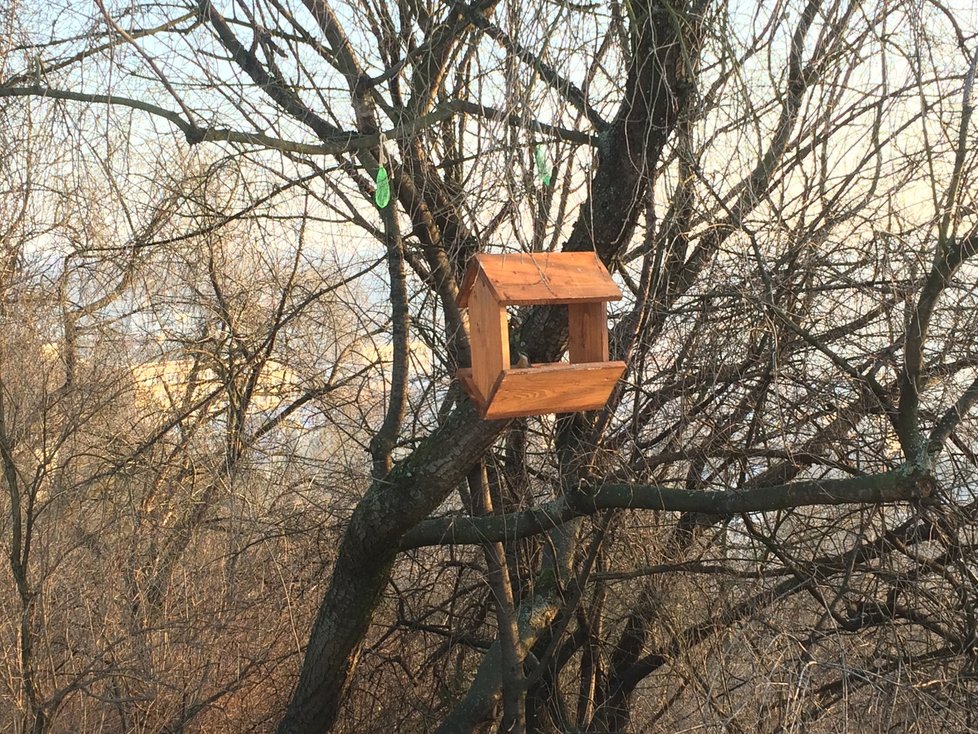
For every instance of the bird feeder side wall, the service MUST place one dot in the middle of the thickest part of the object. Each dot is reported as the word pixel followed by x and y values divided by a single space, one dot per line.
pixel 488 337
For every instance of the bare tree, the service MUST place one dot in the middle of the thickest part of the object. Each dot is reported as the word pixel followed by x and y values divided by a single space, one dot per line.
pixel 771 521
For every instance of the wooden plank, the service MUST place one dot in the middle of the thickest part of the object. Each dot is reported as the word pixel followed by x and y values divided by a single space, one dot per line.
pixel 554 388
pixel 543 278
pixel 468 384
pixel 472 271
pixel 488 337
pixel 587 339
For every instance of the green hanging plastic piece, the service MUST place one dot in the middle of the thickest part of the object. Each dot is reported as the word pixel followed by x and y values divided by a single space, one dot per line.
pixel 543 164
pixel 382 197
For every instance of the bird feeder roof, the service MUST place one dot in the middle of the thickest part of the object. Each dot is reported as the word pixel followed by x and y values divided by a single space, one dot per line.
pixel 540 278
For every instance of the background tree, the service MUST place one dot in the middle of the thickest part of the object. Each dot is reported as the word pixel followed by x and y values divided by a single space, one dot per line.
pixel 769 526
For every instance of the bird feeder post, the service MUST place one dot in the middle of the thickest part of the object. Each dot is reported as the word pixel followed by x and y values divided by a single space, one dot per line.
pixel 587 338
pixel 577 279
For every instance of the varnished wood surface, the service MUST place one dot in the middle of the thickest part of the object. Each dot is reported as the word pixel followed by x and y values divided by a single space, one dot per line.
pixel 488 337
pixel 468 384
pixel 587 337
pixel 543 278
pixel 553 388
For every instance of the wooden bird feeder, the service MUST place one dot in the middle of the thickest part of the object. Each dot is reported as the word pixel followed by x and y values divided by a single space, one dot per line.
pixel 577 279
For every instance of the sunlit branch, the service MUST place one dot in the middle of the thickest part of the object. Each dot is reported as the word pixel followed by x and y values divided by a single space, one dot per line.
pixel 894 486
pixel 336 144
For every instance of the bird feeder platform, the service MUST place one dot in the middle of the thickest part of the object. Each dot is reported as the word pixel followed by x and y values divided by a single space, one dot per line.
pixel 578 280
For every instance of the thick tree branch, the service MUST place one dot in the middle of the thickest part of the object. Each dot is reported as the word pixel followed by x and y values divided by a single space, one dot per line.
pixel 949 254
pixel 285 98
pixel 387 511
pixel 750 191
pixel 952 418
pixel 334 144
pixel 895 486
pixel 570 91
pixel 382 444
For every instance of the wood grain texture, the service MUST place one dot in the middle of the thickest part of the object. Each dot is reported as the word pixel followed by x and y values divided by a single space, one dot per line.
pixel 544 278
pixel 553 388
pixel 472 271
pixel 587 337
pixel 488 336
pixel 468 385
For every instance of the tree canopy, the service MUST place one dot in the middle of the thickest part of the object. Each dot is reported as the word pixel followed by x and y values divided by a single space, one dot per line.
pixel 243 488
